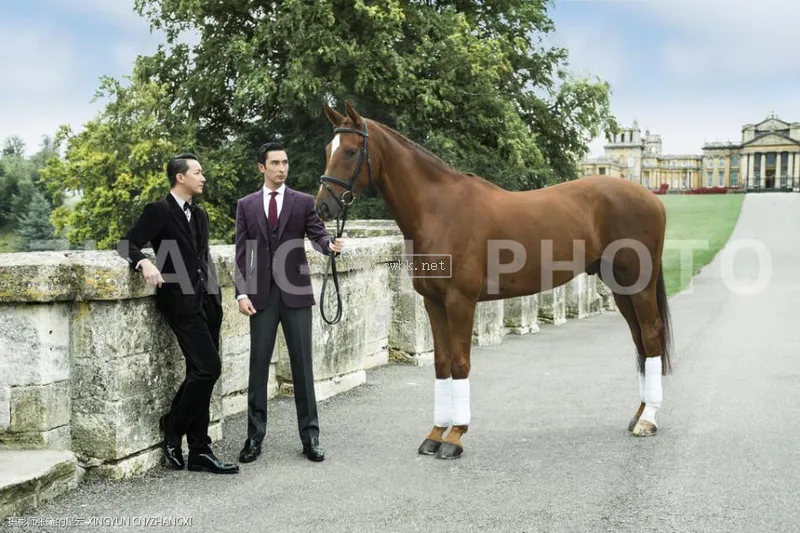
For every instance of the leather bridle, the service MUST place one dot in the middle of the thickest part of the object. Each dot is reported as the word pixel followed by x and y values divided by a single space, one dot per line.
pixel 345 200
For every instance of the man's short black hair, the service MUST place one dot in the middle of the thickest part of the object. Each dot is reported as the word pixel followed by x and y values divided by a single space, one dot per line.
pixel 178 165
pixel 268 147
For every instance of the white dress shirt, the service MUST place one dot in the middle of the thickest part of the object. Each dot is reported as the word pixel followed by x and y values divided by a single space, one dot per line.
pixel 278 199
pixel 181 201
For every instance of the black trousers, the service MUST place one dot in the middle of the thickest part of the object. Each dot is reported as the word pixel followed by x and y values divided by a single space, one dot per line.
pixel 296 325
pixel 198 337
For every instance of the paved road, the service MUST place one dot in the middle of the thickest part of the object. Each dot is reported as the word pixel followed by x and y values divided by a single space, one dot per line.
pixel 548 449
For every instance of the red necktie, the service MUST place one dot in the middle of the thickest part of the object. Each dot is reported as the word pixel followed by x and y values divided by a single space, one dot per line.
pixel 273 210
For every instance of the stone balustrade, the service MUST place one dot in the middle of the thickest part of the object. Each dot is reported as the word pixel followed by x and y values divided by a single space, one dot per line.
pixel 88 364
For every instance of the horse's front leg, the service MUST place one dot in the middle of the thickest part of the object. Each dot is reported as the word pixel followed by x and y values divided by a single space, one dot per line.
pixel 460 317
pixel 443 392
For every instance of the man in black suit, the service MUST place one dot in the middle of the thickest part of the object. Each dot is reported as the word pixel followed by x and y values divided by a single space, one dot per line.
pixel 189 298
pixel 273 286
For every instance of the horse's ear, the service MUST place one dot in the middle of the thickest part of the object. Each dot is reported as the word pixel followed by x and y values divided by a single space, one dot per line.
pixel 336 118
pixel 354 116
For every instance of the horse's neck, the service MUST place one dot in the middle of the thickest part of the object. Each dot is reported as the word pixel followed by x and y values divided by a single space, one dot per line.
pixel 409 184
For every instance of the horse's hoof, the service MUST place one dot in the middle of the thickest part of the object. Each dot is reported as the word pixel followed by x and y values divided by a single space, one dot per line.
pixel 448 450
pixel 644 428
pixel 429 447
pixel 633 423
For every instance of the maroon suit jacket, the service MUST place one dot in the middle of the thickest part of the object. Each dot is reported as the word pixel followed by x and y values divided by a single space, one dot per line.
pixel 263 254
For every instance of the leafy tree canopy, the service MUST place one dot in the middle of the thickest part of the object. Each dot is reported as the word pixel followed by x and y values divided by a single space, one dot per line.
pixel 469 80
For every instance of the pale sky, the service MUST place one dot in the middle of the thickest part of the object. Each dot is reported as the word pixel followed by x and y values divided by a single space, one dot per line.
pixel 692 71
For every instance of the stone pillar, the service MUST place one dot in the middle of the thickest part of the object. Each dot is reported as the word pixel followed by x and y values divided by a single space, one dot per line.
pixel 763 173
pixel 35 391
pixel 553 306
pixel 796 172
pixel 576 302
pixel 609 303
pixel 745 168
pixel 750 170
pixel 410 336
pixel 778 169
pixel 488 327
pixel 593 297
pixel 521 314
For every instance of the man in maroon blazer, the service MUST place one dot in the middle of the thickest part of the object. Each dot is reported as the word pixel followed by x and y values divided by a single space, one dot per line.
pixel 273 285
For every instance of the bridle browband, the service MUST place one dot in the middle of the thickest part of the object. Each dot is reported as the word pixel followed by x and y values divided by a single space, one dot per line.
pixel 345 200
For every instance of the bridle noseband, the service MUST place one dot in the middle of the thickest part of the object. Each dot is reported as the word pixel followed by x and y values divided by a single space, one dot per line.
pixel 344 200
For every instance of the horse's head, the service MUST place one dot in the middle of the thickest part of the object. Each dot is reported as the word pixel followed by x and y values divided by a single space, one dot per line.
pixel 348 169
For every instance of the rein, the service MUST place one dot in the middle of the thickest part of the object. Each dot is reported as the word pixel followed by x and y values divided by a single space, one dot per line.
pixel 344 200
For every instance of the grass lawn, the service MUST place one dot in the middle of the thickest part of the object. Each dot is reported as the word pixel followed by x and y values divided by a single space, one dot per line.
pixel 697 217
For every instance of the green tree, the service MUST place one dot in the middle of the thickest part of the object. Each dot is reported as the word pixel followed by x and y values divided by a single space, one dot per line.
pixel 466 79
pixel 117 162
pixel 14 146
pixel 20 177
pixel 34 230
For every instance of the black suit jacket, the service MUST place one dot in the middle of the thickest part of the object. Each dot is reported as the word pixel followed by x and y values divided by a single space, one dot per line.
pixel 185 265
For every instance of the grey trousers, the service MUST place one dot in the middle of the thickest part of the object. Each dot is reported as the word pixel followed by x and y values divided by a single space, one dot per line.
pixel 296 324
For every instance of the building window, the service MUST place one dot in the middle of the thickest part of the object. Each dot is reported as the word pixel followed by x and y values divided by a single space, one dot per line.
pixel 735 161
pixel 709 179
pixel 710 163
pixel 721 179
pixel 721 163
pixel 602 171
pixel 734 178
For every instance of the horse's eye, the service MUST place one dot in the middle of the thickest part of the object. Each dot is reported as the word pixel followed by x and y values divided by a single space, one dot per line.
pixel 351 153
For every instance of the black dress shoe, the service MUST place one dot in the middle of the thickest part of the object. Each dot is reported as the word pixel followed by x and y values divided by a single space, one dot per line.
pixel 251 450
pixel 313 450
pixel 173 455
pixel 208 462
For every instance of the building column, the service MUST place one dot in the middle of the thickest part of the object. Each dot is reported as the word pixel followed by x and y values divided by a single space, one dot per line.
pixel 777 169
pixel 796 172
pixel 762 180
pixel 750 170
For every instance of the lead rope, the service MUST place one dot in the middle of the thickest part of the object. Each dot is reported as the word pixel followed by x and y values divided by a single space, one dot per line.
pixel 332 268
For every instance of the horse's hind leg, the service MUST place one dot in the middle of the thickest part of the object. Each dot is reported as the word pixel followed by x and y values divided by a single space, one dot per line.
pixel 443 388
pixel 650 362
pixel 625 306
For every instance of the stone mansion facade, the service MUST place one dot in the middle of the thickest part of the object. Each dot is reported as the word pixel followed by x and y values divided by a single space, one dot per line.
pixel 767 158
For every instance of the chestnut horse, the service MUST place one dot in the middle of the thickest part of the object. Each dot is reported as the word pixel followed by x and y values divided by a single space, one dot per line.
pixel 474 241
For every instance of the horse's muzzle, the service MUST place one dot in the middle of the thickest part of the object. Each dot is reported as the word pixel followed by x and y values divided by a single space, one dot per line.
pixel 323 211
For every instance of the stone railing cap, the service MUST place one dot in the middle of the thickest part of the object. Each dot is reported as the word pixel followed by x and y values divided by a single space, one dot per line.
pixel 103 275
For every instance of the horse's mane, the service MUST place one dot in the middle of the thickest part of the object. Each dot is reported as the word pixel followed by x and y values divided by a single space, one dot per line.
pixel 408 142
pixel 435 159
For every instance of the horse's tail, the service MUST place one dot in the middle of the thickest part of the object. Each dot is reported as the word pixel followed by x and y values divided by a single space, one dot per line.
pixel 666 330
pixel 666 334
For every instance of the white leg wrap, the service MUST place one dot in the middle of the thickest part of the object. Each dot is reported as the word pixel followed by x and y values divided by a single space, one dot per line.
pixel 641 386
pixel 443 403
pixel 652 388
pixel 461 411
